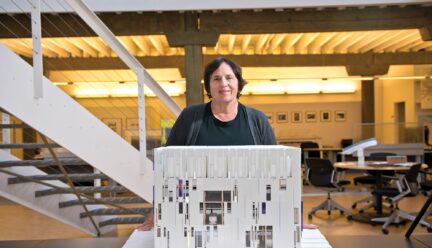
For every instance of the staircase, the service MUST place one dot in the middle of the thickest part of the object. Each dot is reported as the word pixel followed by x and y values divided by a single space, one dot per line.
pixel 28 182
pixel 72 127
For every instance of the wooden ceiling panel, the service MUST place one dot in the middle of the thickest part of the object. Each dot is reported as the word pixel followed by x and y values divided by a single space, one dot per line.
pixel 406 40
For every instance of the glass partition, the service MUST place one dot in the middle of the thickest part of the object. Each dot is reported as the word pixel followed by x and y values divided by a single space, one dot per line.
pixel 390 133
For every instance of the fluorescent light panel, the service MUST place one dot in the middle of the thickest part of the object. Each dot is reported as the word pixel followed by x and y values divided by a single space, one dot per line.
pixel 124 89
pixel 299 87
pixel 256 87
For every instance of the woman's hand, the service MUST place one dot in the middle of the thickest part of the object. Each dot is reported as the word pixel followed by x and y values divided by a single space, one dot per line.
pixel 148 223
pixel 310 226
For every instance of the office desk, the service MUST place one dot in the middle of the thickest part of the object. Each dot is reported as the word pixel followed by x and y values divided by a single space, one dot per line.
pixel 379 167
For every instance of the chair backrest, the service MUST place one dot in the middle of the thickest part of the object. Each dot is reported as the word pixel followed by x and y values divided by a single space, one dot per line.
pixel 320 171
pixel 410 177
pixel 346 142
pixel 412 174
pixel 311 154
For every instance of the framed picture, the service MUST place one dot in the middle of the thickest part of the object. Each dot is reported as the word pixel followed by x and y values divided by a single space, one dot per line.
pixel 325 116
pixel 132 124
pixel 282 117
pixel 340 115
pixel 132 137
pixel 310 116
pixel 296 117
pixel 269 117
pixel 114 124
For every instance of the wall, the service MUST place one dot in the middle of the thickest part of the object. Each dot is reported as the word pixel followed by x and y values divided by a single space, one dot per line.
pixel 326 133
pixel 124 109
pixel 390 92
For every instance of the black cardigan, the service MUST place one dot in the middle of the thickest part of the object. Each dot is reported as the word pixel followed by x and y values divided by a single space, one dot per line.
pixel 187 126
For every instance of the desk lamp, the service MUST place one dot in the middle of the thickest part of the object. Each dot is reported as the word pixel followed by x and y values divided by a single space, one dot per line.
pixel 359 148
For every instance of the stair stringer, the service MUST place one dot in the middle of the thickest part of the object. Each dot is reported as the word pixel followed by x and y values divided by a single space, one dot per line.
pixel 63 120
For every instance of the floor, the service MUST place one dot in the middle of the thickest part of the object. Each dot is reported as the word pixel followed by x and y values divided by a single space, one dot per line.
pixel 20 223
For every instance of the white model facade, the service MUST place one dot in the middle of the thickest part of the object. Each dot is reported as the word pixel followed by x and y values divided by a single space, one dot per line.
pixel 230 197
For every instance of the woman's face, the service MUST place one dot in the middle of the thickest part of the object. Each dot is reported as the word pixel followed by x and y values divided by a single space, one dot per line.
pixel 223 85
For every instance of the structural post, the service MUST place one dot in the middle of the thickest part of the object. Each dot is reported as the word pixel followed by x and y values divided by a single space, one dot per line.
pixel 37 49
pixel 141 120
pixel 193 65
pixel 368 108
pixel 6 132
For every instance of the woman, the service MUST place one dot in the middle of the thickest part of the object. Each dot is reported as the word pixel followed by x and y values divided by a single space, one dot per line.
pixel 222 121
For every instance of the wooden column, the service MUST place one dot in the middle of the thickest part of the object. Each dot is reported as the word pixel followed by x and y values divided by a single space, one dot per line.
pixel 368 108
pixel 193 65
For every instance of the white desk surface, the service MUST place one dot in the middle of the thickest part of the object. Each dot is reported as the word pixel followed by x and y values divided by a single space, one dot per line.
pixel 310 239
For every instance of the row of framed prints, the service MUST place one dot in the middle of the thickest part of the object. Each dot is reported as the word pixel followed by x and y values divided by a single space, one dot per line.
pixel 307 116
pixel 116 124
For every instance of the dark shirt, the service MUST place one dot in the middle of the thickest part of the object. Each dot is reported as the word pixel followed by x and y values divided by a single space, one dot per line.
pixel 187 126
pixel 214 132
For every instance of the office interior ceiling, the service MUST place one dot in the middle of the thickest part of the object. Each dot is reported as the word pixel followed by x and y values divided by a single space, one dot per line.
pixel 355 42
pixel 175 5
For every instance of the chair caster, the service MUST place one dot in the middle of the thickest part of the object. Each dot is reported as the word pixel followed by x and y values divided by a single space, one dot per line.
pixel 341 212
pixel 309 216
pixel 349 217
pixel 385 231
pixel 354 206
pixel 361 211
pixel 329 212
pixel 429 229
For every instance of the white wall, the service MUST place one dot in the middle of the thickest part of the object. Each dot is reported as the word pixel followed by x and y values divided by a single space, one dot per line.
pixel 390 92
pixel 325 133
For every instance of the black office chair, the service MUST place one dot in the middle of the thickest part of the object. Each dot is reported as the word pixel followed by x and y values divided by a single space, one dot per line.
pixel 321 173
pixel 370 179
pixel 407 186
pixel 311 154
pixel 426 189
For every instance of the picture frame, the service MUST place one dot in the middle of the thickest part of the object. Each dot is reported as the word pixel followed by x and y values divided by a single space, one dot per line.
pixel 132 124
pixel 325 116
pixel 132 137
pixel 269 117
pixel 340 115
pixel 296 117
pixel 114 123
pixel 311 116
pixel 281 117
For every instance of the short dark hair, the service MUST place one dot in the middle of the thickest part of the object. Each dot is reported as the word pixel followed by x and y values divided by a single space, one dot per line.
pixel 214 65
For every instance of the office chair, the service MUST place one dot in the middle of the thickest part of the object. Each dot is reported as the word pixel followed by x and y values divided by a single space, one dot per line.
pixel 406 186
pixel 311 154
pixel 370 180
pixel 321 173
pixel 426 189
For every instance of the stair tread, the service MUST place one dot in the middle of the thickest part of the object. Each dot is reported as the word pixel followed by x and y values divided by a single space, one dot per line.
pixel 43 162
pixel 28 145
pixel 123 220
pixel 73 177
pixel 117 211
pixel 4 126
pixel 115 200
pixel 81 189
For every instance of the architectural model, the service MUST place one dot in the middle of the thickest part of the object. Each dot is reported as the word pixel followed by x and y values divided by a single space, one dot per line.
pixel 230 197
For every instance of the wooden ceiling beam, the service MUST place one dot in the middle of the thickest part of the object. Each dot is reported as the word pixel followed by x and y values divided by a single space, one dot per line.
pixel 228 22
pixel 407 58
